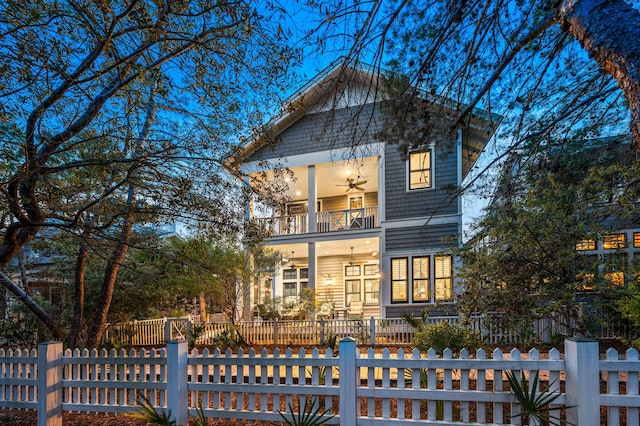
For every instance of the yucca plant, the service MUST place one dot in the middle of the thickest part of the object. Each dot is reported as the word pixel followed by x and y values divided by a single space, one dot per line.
pixel 147 412
pixel 310 415
pixel 534 404
pixel 200 419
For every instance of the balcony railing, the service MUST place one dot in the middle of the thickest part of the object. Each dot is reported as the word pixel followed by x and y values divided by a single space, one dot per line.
pixel 328 221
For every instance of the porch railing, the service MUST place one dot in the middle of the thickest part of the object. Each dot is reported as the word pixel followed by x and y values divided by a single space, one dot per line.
pixel 327 221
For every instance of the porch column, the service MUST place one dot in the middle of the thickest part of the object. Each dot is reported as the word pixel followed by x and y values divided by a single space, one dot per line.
pixel 312 265
pixel 313 201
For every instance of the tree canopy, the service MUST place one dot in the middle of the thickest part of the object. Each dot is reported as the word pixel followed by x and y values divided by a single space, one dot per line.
pixel 527 258
pixel 549 70
pixel 116 113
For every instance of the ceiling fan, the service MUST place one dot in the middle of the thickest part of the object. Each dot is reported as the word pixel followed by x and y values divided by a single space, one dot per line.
pixel 288 262
pixel 354 183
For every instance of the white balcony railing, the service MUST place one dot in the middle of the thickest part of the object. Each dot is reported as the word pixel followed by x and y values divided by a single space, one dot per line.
pixel 328 221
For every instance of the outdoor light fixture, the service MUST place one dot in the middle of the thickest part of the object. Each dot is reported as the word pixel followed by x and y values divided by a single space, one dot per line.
pixel 328 280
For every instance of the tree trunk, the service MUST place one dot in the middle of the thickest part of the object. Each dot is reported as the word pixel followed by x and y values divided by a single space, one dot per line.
pixel 203 306
pixel 32 305
pixel 99 323
pixel 609 30
pixel 76 334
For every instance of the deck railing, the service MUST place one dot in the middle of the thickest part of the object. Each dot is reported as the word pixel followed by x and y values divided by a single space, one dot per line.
pixel 372 331
pixel 327 221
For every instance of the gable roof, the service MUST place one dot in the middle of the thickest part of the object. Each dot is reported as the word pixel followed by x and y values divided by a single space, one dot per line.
pixel 327 90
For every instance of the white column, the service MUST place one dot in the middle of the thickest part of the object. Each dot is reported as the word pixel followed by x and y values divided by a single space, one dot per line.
pixel 312 199
pixel 312 265
pixel 349 379
pixel 49 384
pixel 177 394
pixel 582 381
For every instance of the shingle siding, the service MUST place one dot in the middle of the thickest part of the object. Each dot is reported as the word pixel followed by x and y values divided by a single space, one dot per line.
pixel 421 237
pixel 403 204
pixel 323 131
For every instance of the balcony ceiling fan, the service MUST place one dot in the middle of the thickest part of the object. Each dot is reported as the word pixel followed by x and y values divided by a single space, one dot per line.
pixel 354 183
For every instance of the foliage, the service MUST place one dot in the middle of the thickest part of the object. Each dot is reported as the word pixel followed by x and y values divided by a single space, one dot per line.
pixel 443 335
pixel 228 338
pixel 523 261
pixel 309 415
pixel 148 412
pixel 534 405
pixel 270 307
pixel 123 114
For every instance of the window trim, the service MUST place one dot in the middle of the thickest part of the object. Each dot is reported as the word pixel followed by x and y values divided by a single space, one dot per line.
pixel 399 280
pixel 431 169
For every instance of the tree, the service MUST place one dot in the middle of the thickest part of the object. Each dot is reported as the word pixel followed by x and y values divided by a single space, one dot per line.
pixel 547 69
pixel 146 97
pixel 524 260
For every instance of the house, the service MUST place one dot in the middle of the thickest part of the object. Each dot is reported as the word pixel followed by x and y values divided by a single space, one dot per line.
pixel 367 228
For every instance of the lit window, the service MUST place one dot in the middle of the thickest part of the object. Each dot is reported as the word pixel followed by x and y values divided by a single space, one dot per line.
pixel 290 289
pixel 371 292
pixel 636 239
pixel 421 279
pixel 399 281
pixel 352 290
pixel 614 241
pixel 443 278
pixel 586 245
pixel 420 170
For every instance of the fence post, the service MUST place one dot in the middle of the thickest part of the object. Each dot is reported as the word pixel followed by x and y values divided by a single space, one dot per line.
pixel 348 377
pixel 50 384
pixel 582 381
pixel 177 363
pixel 275 332
pixel 372 330
pixel 322 331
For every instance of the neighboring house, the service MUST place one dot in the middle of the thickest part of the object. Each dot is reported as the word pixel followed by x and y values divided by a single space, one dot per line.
pixel 366 229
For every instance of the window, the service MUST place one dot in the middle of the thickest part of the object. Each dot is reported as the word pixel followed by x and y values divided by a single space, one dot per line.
pixel 294 280
pixel 352 271
pixel 352 290
pixel 399 283
pixel 420 170
pixel 371 291
pixel 443 278
pixel 615 265
pixel 290 289
pixel 614 241
pixel 362 284
pixel 636 239
pixel 421 279
pixel 586 245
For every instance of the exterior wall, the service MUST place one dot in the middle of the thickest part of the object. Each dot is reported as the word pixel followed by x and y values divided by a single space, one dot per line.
pixel 322 131
pixel 402 204
pixel 421 237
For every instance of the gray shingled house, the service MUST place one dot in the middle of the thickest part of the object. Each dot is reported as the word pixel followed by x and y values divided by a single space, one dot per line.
pixel 367 228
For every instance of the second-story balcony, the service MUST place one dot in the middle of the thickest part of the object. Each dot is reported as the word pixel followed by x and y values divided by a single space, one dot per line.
pixel 325 221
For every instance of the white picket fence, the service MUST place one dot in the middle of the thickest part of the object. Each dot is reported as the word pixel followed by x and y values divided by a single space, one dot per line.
pixel 358 389
pixel 373 331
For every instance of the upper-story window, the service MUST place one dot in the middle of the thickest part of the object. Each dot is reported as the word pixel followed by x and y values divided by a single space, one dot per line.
pixel 586 244
pixel 614 241
pixel 420 170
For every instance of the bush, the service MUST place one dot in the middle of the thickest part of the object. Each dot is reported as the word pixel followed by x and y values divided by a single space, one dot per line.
pixel 443 335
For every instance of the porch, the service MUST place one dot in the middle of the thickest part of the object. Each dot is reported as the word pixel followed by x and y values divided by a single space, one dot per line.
pixel 325 221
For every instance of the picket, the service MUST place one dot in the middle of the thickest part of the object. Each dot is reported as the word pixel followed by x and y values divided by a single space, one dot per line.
pixel 375 387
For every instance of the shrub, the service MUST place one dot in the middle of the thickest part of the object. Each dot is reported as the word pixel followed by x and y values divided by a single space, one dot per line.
pixel 443 335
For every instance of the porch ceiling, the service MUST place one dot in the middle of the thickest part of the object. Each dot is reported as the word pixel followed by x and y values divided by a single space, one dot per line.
pixel 333 248
pixel 331 178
